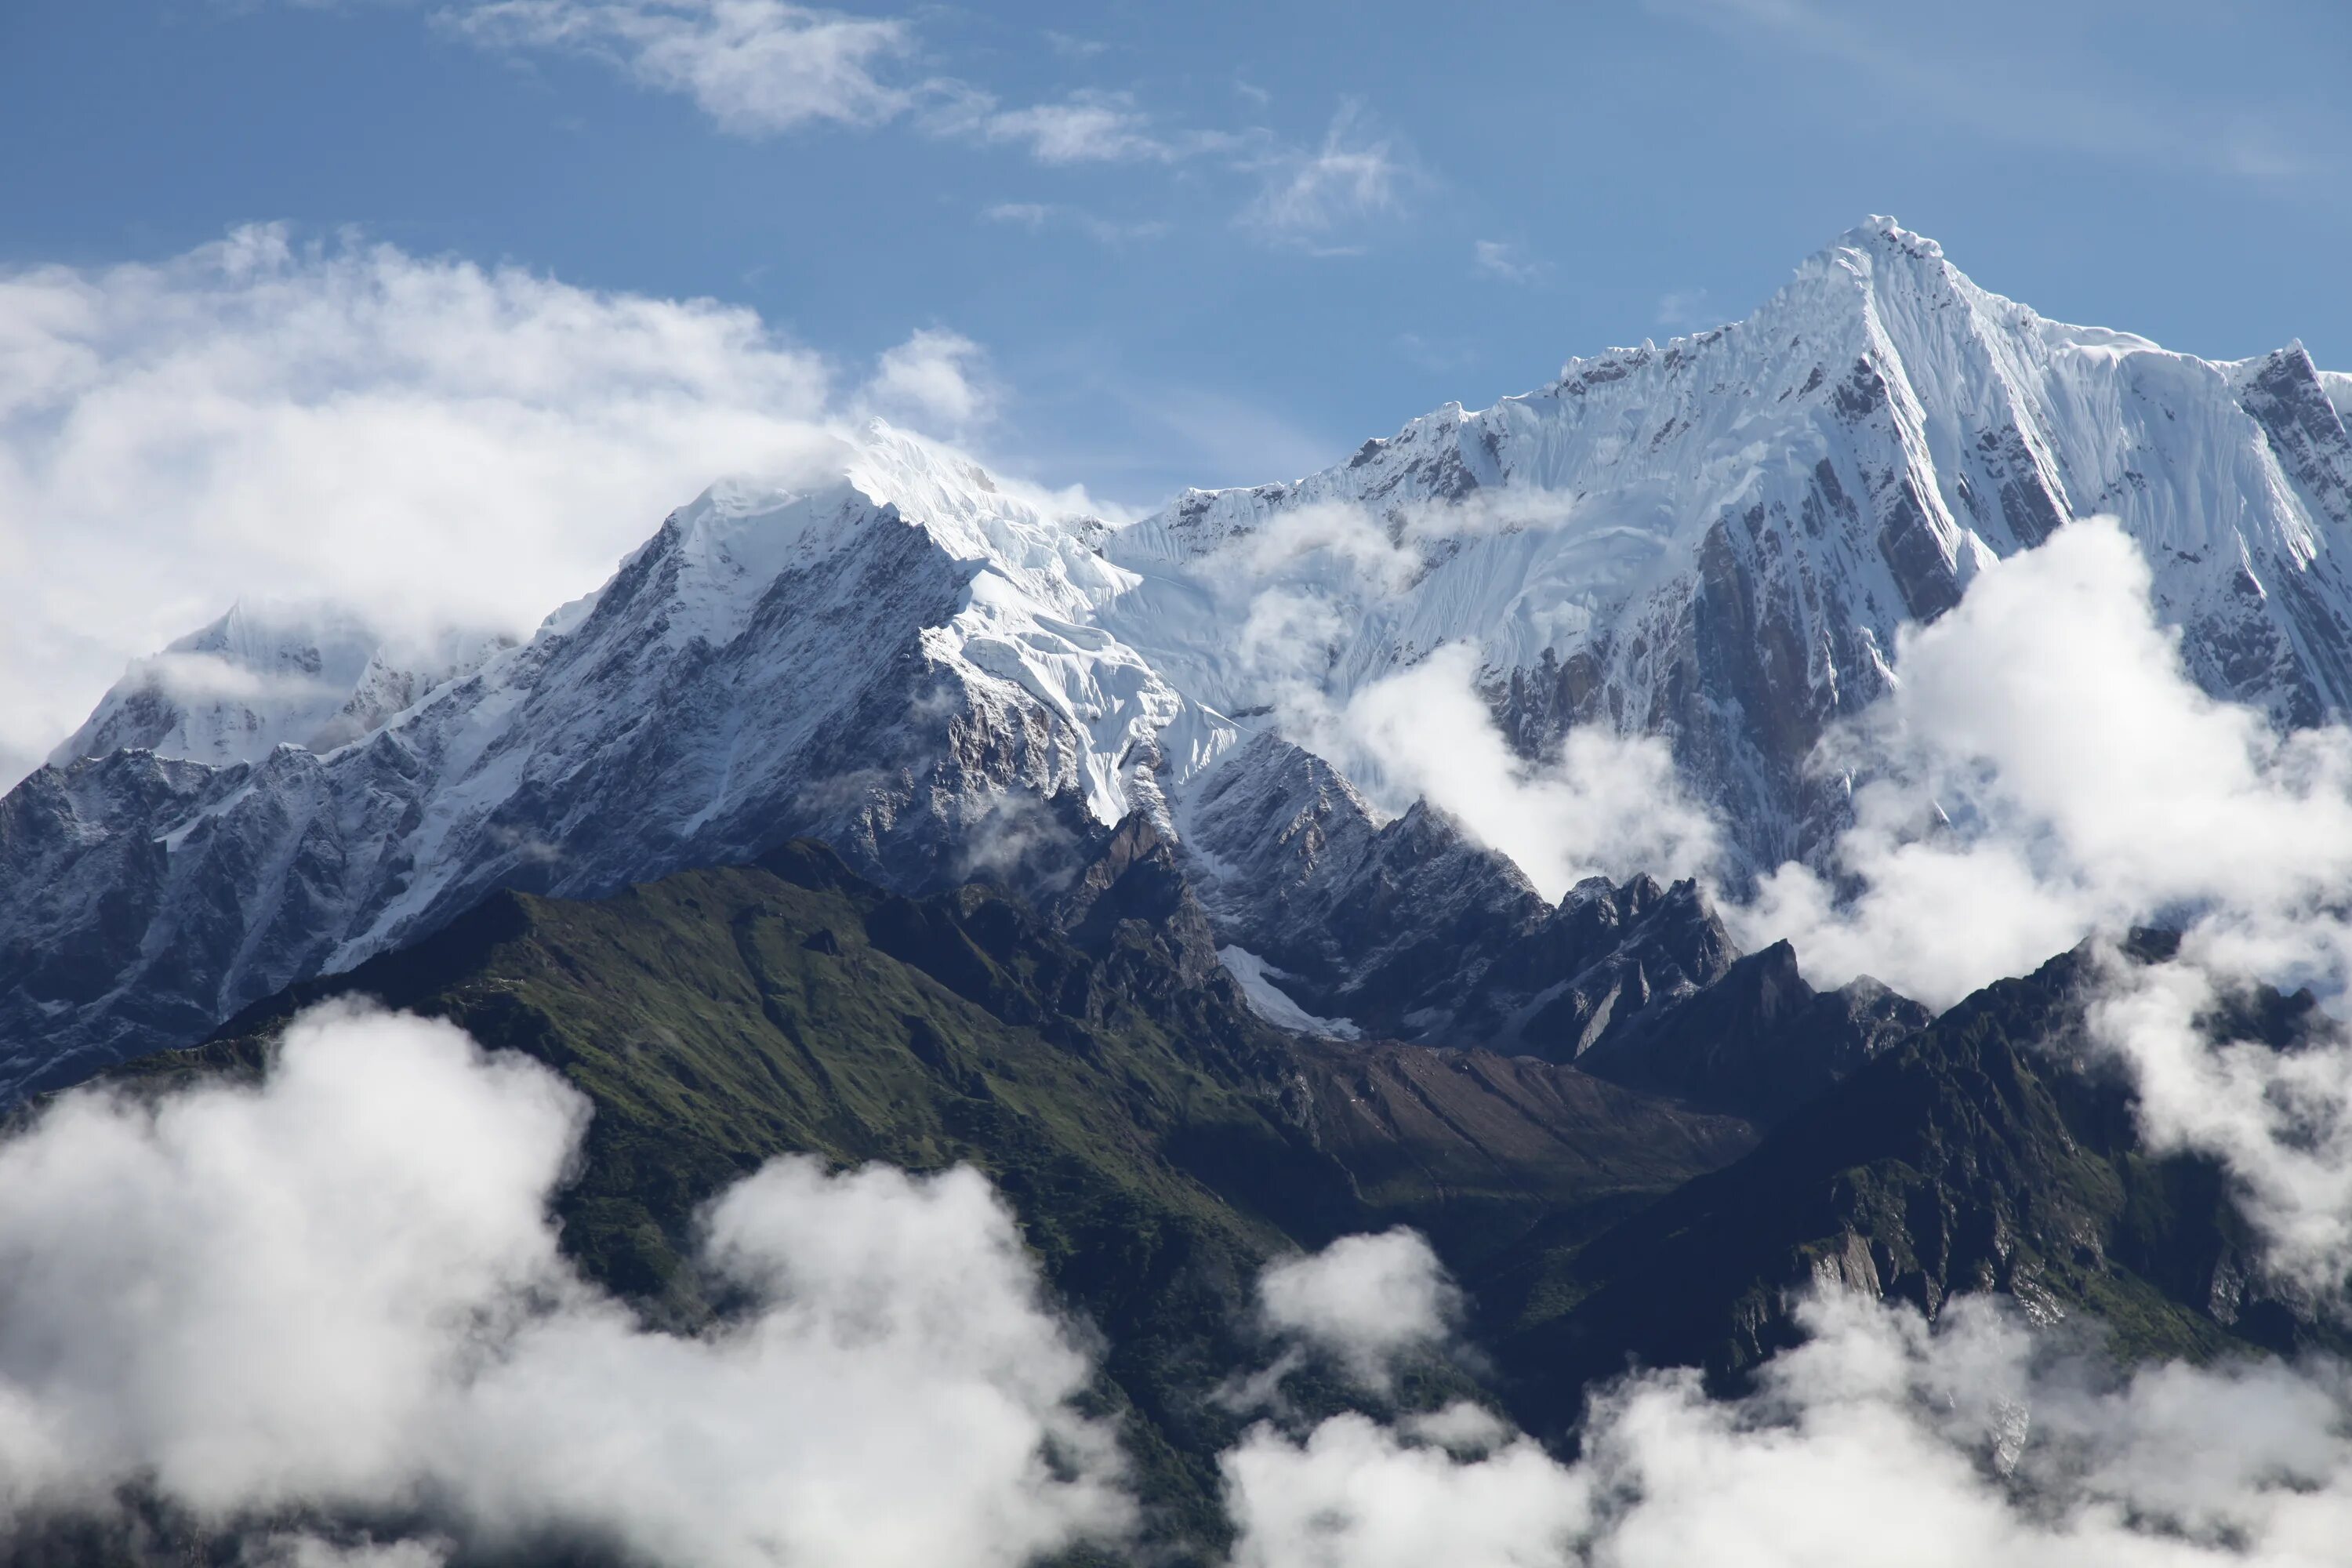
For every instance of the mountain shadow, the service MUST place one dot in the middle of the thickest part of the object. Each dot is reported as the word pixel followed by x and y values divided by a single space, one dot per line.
pixel 1997 1151
pixel 1158 1142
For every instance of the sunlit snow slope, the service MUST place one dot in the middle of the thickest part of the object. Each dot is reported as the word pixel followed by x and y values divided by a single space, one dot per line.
pixel 1714 541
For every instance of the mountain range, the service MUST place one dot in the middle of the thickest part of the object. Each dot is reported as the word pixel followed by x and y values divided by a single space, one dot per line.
pixel 890 811
pixel 942 675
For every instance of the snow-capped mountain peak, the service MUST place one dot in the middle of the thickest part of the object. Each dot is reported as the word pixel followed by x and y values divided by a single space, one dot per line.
pixel 270 673
pixel 1714 541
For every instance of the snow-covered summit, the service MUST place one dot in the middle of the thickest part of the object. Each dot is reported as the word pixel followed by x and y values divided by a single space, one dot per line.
pixel 271 673
pixel 896 655
pixel 1714 541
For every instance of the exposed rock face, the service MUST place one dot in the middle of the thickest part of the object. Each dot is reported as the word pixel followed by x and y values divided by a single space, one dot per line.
pixel 1414 931
pixel 1760 1040
pixel 1716 542
pixel 1996 1151
pixel 768 665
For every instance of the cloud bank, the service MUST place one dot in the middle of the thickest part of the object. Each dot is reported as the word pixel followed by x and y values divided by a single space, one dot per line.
pixel 337 1295
pixel 340 1291
pixel 1882 1438
pixel 264 419
pixel 2044 768
pixel 2043 771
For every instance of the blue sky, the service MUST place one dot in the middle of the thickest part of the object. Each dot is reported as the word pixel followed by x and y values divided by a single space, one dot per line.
pixel 433 307
pixel 1264 231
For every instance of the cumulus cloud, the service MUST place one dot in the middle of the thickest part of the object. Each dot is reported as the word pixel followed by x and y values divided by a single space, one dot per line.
pixel 260 418
pixel 2044 771
pixel 1366 1300
pixel 1609 805
pixel 340 1291
pixel 1343 535
pixel 1303 581
pixel 755 67
pixel 2044 768
pixel 938 379
pixel 1968 1442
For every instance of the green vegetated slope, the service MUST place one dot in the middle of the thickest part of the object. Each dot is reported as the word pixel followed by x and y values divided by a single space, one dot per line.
pixel 1158 1142
pixel 1997 1152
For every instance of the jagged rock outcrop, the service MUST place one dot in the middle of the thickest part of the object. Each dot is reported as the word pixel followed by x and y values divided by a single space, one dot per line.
pixel 1716 542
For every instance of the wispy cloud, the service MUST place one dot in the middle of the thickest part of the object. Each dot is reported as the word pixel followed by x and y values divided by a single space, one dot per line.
pixel 2042 97
pixel 1086 127
pixel 755 67
pixel 1311 193
pixel 1681 310
pixel 1038 217
pixel 759 68
pixel 767 67
pixel 1505 262
pixel 1071 47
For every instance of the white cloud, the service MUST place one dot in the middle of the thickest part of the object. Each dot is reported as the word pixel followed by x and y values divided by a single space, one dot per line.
pixel 1028 214
pixel 1365 1299
pixel 759 68
pixel 2044 768
pixel 1337 532
pixel 755 67
pixel 1311 192
pixel 937 379
pixel 2280 1122
pixel 1879 1439
pixel 1508 263
pixel 340 1290
pixel 2044 771
pixel 262 419
pixel 1610 805
pixel 1084 127
pixel 1071 47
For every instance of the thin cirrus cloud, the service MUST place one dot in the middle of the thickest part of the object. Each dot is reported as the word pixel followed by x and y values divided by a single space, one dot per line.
pixel 1680 310
pixel 761 67
pixel 1503 262
pixel 1971 78
pixel 1038 217
pixel 1313 196
pixel 755 67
